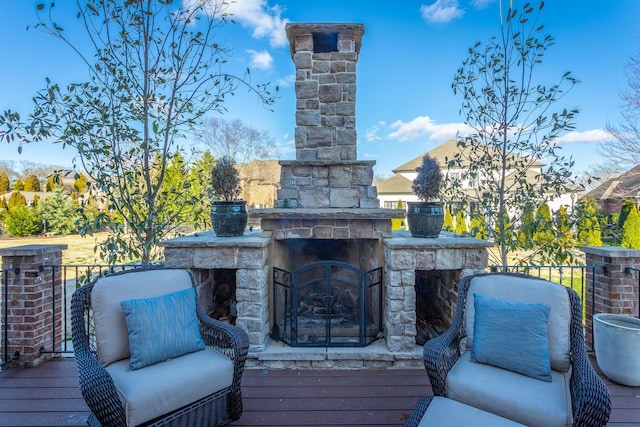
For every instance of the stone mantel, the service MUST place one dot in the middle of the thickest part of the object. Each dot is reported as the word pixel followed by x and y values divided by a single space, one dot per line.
pixel 327 213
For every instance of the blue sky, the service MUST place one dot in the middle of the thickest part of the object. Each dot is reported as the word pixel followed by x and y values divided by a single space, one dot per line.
pixel 410 53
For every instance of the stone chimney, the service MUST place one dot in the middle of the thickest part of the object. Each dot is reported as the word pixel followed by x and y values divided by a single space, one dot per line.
pixel 326 172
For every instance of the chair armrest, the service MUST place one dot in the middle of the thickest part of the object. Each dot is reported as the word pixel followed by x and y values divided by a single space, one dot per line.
pixel 231 341
pixel 440 354
pixel 96 385
pixel 590 398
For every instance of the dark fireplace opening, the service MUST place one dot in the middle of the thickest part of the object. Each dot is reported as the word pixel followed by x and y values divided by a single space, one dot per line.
pixel 327 303
pixel 217 292
pixel 436 295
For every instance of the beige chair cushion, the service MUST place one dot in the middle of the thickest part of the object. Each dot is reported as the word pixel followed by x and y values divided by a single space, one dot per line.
pixel 450 413
pixel 510 395
pixel 112 336
pixel 158 389
pixel 520 289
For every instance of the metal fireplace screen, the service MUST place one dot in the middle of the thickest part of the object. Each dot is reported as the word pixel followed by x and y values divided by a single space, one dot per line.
pixel 327 303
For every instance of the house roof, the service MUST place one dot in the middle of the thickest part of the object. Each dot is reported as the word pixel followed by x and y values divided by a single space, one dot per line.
pixel 621 187
pixel 441 153
pixel 397 184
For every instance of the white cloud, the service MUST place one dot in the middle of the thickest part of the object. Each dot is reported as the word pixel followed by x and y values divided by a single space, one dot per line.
pixel 594 135
pixel 482 4
pixel 264 20
pixel 372 133
pixel 262 60
pixel 442 11
pixel 287 80
pixel 424 126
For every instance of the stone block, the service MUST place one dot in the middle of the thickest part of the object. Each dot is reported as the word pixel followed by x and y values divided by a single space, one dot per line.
pixel 368 203
pixel 314 198
pixel 345 108
pixel 339 176
pixel 338 67
pixel 324 79
pixel 307 89
pixel 402 259
pixel 318 136
pixel 343 198
pixel 425 260
pixel 449 259
pixel 345 78
pixel 320 67
pixel 178 257
pixel 307 118
pixel 347 137
pixel 329 153
pixel 302 60
pixel 251 257
pixel 214 258
pixel 328 93
pixel 348 152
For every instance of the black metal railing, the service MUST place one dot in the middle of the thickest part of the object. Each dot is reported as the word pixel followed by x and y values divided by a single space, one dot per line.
pixel 67 278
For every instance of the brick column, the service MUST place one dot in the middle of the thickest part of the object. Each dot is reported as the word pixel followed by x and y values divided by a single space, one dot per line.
pixel 34 301
pixel 616 287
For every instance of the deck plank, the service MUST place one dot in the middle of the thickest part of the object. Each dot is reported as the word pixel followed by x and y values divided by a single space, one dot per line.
pixel 49 396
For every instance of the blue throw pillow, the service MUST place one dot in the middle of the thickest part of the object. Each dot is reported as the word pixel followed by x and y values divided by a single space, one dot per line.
pixel 512 335
pixel 162 328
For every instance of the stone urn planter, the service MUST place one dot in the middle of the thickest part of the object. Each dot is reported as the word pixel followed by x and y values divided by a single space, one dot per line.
pixel 229 218
pixel 617 346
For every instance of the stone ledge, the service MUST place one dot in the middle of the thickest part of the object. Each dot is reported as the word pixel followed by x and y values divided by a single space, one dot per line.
pixel 277 355
pixel 327 213
pixel 403 240
pixel 32 250
pixel 208 239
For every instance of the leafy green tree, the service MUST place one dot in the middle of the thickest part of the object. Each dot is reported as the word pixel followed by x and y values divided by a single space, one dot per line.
pixel 588 227
pixel 631 230
pixel 526 229
pixel 53 182
pixel 563 226
pixel 155 70
pixel 36 200
pixel 544 230
pixel 17 199
pixel 447 225
pixel 58 213
pixel 478 226
pixel 5 183
pixel 627 206
pixel 3 204
pixel 31 183
pixel 461 223
pixel 22 221
pixel 80 184
pixel 515 127
pixel 18 185
pixel 200 179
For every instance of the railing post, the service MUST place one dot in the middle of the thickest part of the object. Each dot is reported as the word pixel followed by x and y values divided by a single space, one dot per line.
pixel 33 308
pixel 614 288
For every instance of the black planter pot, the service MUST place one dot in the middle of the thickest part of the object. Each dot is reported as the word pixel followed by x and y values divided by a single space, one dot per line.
pixel 229 218
pixel 425 219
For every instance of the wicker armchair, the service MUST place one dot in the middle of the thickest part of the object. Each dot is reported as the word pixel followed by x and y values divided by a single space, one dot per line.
pixel 103 390
pixel 590 399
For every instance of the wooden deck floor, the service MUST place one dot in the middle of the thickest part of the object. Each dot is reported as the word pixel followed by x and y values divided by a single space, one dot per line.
pixel 49 396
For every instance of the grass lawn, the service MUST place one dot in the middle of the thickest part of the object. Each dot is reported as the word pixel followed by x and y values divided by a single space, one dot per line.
pixel 79 251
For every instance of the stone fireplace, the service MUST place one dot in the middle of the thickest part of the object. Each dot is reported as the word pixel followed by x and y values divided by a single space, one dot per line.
pixel 325 269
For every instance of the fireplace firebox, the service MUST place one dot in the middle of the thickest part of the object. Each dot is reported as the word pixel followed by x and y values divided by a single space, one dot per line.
pixel 327 303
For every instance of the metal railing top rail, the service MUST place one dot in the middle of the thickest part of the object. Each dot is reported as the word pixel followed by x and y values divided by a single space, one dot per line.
pixel 72 276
